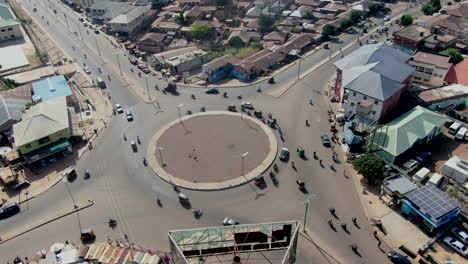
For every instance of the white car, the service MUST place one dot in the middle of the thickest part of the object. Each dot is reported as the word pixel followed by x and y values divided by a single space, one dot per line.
pixel 247 105
pixel 129 116
pixel 410 165
pixel 387 18
pixel 87 70
pixel 460 234
pixel 118 108
pixel 230 221
pixel 373 41
pixel 456 245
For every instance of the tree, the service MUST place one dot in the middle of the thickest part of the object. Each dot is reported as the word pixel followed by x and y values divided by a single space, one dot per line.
pixel 201 31
pixel 454 54
pixel 309 14
pixel 431 7
pixel 236 42
pixel 406 20
pixel 157 4
pixel 266 24
pixel 346 23
pixel 375 8
pixel 180 19
pixel 257 45
pixel 328 30
pixel 369 166
pixel 355 16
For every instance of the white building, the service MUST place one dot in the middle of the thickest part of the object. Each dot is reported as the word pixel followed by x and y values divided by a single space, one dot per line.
pixel 431 69
pixel 10 26
pixel 131 22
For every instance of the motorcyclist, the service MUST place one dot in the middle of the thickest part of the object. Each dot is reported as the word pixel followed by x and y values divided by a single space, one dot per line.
pixel 332 210
pixel 343 225
pixel 330 222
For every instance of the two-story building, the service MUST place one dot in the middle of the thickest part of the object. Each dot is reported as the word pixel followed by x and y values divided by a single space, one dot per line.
pixel 409 39
pixel 186 62
pixel 10 26
pixel 101 12
pixel 44 130
pixel 430 69
pixel 129 23
pixel 370 81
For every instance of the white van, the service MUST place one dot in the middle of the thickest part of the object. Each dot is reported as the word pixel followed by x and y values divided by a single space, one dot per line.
pixel 453 129
pixel 436 180
pixel 421 174
pixel 461 133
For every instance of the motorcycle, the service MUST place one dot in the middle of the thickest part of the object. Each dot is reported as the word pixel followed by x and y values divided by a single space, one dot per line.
pixel 331 166
pixel 197 212
pixel 138 140
pixel 225 95
pixel 112 223
pixel 273 178
pixel 259 90
pixel 275 167
pixel 315 155
pixel 145 162
pixel 239 97
pixel 86 175
pixel 307 122
pixel 202 109
pixel 193 96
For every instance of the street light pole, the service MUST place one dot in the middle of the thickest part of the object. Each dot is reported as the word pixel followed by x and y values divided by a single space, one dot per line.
pixel 299 68
pixel 180 116
pixel 118 62
pixel 79 31
pixel 160 156
pixel 66 21
pixel 306 202
pixel 97 46
pixel 147 87
pixel 243 157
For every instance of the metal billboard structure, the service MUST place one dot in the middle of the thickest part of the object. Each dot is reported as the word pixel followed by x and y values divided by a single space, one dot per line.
pixel 240 244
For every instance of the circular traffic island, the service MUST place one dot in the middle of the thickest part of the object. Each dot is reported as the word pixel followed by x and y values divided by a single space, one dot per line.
pixel 212 150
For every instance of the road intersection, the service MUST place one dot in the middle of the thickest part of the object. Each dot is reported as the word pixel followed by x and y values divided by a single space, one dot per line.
pixel 125 190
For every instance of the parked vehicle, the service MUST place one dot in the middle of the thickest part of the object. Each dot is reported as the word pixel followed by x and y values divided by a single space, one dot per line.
pixel 421 175
pixel 300 152
pixel 397 258
pixel 146 70
pixel 436 179
pixel 229 222
pixel 86 70
pixel 410 165
pixel 87 234
pixel 284 154
pixel 386 18
pixel 232 108
pixel 141 66
pixel 9 210
pixel 133 61
pixel 453 129
pixel 423 157
pixel 461 133
pixel 460 234
pixel 458 246
pixel 212 91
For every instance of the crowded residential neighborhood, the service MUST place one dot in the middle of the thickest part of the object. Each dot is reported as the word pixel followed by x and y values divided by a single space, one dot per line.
pixel 233 131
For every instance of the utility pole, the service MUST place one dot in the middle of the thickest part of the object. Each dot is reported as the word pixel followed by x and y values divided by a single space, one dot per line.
pixel 243 157
pixel 160 156
pixel 147 87
pixel 306 203
pixel 97 46
pixel 180 115
pixel 299 68
pixel 66 21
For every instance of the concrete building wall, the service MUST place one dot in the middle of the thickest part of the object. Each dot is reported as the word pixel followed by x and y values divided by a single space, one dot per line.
pixel 428 74
pixel 10 32
pixel 353 100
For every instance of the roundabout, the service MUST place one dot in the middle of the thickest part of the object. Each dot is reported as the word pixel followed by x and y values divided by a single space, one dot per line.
pixel 212 150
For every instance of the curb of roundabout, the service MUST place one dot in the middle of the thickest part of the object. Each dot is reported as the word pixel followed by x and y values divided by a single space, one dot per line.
pixel 212 186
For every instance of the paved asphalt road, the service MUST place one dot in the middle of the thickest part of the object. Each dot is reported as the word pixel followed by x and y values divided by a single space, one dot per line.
pixel 125 190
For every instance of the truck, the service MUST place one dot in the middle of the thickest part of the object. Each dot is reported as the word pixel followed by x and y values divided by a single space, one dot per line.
pixel 100 83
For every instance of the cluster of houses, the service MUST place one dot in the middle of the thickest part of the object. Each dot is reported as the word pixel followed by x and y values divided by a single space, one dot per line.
pixel 401 99
pixel 156 34
pixel 39 122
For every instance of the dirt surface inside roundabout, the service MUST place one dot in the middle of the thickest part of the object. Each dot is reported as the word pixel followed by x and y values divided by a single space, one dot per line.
pixel 208 148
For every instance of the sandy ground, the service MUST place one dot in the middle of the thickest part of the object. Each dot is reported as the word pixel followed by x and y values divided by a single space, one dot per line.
pixel 209 148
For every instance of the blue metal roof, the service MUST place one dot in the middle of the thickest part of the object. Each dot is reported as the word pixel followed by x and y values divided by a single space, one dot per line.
pixel 51 88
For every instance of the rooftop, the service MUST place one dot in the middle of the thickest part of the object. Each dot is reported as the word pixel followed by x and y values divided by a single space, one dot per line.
pixel 41 120
pixel 221 61
pixel 434 59
pixel 130 16
pixel 162 56
pixel 50 88
pixel 407 129
pixel 458 10
pixel 458 73
pixel 7 17
pixel 439 94
pixel 432 202
pixel 13 102
pixel 413 32
pixel 156 37
pixel 174 61
pixel 399 184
